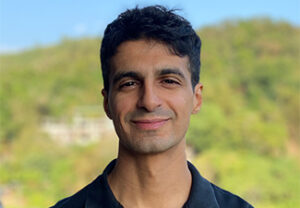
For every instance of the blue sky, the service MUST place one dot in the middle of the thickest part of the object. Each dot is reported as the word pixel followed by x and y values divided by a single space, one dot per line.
pixel 25 24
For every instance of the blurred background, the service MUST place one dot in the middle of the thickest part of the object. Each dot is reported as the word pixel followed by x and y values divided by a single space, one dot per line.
pixel 55 138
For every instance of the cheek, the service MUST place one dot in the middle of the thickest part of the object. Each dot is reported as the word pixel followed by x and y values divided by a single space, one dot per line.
pixel 183 105
pixel 120 106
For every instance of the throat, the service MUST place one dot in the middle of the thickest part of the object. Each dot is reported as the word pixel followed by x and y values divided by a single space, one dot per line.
pixel 151 184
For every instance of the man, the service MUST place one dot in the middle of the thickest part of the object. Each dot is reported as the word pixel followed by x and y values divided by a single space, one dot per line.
pixel 150 63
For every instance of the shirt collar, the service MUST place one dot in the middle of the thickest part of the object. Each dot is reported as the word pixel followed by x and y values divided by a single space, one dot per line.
pixel 100 192
pixel 202 194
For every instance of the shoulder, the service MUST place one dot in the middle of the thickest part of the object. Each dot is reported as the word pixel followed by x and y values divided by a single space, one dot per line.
pixel 75 201
pixel 79 199
pixel 206 194
pixel 95 194
pixel 226 199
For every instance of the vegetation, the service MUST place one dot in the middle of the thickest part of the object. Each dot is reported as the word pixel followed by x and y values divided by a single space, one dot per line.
pixel 246 137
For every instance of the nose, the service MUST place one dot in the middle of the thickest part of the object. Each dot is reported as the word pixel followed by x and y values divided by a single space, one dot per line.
pixel 149 98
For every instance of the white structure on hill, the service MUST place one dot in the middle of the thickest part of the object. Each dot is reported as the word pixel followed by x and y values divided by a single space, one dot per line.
pixel 81 130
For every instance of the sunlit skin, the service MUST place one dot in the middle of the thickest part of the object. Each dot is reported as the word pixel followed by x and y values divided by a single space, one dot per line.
pixel 150 101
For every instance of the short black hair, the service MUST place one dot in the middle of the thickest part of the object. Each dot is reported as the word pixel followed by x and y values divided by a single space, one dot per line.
pixel 156 23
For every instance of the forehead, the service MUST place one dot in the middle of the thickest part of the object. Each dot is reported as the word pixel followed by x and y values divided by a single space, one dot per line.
pixel 147 56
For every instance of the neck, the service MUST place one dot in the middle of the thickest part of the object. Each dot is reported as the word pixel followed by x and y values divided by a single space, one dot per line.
pixel 151 180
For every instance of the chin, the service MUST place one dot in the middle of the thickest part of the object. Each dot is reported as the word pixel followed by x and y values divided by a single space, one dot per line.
pixel 150 145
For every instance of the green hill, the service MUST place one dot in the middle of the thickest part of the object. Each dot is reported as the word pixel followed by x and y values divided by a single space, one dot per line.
pixel 251 77
pixel 246 137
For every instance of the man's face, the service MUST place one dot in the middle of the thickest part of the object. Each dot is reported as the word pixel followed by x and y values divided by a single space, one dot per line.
pixel 151 97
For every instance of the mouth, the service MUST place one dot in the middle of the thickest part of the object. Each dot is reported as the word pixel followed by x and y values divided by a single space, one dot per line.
pixel 150 124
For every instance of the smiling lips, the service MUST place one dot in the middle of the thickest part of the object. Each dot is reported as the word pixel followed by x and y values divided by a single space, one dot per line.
pixel 150 124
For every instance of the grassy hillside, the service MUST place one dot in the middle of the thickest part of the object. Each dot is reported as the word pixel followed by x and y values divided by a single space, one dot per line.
pixel 246 137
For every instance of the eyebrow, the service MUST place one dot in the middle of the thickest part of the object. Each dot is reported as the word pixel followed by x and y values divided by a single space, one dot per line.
pixel 117 77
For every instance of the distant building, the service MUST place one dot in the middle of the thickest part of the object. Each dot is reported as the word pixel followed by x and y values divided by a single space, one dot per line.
pixel 83 128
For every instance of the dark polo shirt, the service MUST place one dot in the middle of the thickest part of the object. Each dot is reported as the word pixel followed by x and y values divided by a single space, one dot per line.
pixel 203 194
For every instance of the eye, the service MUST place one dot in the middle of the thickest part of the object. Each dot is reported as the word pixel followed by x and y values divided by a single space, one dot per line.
pixel 170 81
pixel 128 84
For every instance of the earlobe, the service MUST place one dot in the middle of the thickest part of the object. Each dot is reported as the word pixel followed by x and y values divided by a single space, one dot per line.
pixel 105 103
pixel 197 98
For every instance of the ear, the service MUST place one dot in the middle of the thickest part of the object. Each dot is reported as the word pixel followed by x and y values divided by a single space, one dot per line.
pixel 105 103
pixel 197 98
